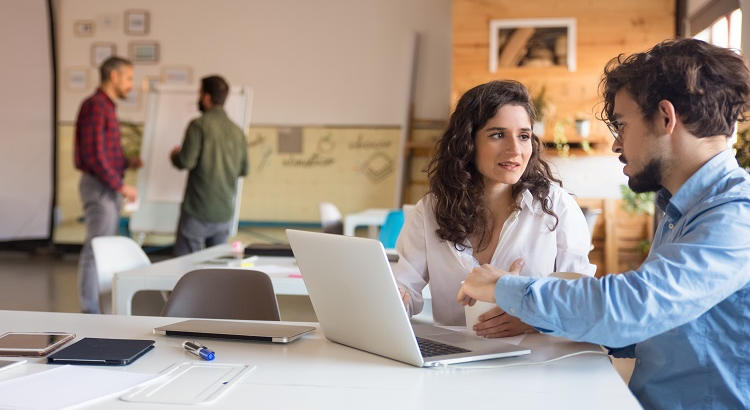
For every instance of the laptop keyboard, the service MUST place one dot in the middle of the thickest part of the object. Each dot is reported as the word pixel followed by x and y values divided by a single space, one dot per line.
pixel 431 348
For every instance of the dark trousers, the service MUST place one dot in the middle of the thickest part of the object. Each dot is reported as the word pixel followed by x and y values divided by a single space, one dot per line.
pixel 194 234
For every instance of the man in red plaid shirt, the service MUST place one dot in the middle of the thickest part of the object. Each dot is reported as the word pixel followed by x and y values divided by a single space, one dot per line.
pixel 99 156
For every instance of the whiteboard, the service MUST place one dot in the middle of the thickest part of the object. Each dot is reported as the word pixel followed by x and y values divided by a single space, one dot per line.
pixel 160 185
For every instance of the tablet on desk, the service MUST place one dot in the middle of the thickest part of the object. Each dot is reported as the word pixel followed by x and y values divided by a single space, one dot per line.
pixel 258 331
pixel 97 351
pixel 32 343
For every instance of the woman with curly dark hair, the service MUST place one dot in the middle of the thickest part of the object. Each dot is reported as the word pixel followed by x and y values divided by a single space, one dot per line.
pixel 492 200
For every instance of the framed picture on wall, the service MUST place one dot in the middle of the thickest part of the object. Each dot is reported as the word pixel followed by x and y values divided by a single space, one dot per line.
pixel 136 22
pixel 176 75
pixel 533 43
pixel 84 28
pixel 101 52
pixel 143 52
pixel 77 78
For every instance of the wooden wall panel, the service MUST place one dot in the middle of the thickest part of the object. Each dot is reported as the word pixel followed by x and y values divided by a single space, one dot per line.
pixel 605 29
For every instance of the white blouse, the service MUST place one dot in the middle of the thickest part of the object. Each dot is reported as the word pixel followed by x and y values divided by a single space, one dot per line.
pixel 425 258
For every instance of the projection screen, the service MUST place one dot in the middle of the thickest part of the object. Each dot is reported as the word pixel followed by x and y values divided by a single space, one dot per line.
pixel 27 120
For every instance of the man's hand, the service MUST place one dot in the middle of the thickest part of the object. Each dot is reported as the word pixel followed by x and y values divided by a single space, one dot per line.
pixel 135 162
pixel 175 151
pixel 497 323
pixel 129 192
pixel 480 284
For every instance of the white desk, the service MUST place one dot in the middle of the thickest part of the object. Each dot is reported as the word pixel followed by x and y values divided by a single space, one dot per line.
pixel 165 274
pixel 313 373
pixel 372 218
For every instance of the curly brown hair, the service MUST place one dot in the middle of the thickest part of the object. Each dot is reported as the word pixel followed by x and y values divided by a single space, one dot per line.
pixel 455 181
pixel 709 86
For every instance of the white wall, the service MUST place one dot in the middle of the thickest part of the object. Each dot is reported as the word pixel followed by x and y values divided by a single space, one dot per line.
pixel 310 62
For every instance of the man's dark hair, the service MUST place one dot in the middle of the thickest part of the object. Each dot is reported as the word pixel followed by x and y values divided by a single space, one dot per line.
pixel 708 86
pixel 112 64
pixel 216 87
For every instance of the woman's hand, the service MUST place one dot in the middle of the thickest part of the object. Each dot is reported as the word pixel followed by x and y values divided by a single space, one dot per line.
pixel 497 323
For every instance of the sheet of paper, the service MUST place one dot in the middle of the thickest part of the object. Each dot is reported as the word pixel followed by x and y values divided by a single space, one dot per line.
pixel 131 206
pixel 66 386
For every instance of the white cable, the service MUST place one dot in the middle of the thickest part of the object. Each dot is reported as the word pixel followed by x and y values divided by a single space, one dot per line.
pixel 449 367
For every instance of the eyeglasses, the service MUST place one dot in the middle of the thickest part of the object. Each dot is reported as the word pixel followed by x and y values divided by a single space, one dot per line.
pixel 615 127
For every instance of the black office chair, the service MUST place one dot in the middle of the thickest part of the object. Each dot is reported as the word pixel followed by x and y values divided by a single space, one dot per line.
pixel 223 294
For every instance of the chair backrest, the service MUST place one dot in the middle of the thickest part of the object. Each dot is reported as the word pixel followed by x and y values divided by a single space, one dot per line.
pixel 331 219
pixel 116 254
pixel 223 294
pixel 391 228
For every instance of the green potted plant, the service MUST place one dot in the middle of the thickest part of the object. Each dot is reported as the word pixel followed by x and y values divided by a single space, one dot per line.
pixel 742 148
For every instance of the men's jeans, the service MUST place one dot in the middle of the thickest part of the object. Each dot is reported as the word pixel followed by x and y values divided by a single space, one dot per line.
pixel 101 210
pixel 194 234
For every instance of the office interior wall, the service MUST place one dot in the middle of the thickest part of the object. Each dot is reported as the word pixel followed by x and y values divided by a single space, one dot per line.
pixel 317 62
pixel 26 81
pixel 322 71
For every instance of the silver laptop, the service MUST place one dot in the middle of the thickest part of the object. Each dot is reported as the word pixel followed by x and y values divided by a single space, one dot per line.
pixel 357 301
pixel 229 329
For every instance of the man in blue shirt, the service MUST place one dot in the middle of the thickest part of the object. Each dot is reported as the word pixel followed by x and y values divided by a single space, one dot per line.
pixel 684 314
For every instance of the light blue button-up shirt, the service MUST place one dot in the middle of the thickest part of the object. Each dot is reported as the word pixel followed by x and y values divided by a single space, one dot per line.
pixel 684 314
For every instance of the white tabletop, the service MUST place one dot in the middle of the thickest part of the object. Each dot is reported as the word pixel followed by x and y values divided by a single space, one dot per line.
pixel 313 373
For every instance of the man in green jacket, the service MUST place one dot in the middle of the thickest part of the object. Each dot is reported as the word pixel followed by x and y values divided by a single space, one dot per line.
pixel 215 154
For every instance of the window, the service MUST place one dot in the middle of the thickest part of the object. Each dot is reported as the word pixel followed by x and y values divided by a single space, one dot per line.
pixel 724 32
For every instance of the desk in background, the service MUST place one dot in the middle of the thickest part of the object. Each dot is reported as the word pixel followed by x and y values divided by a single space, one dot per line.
pixel 372 218
pixel 313 373
pixel 165 274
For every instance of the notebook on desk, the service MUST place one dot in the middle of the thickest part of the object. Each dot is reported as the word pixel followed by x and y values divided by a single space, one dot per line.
pixel 96 351
pixel 265 249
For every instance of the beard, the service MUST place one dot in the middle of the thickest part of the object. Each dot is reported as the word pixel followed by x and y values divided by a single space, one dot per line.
pixel 122 94
pixel 648 179
pixel 201 107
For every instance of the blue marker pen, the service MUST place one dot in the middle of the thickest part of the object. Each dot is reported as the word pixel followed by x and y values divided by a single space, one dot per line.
pixel 199 350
